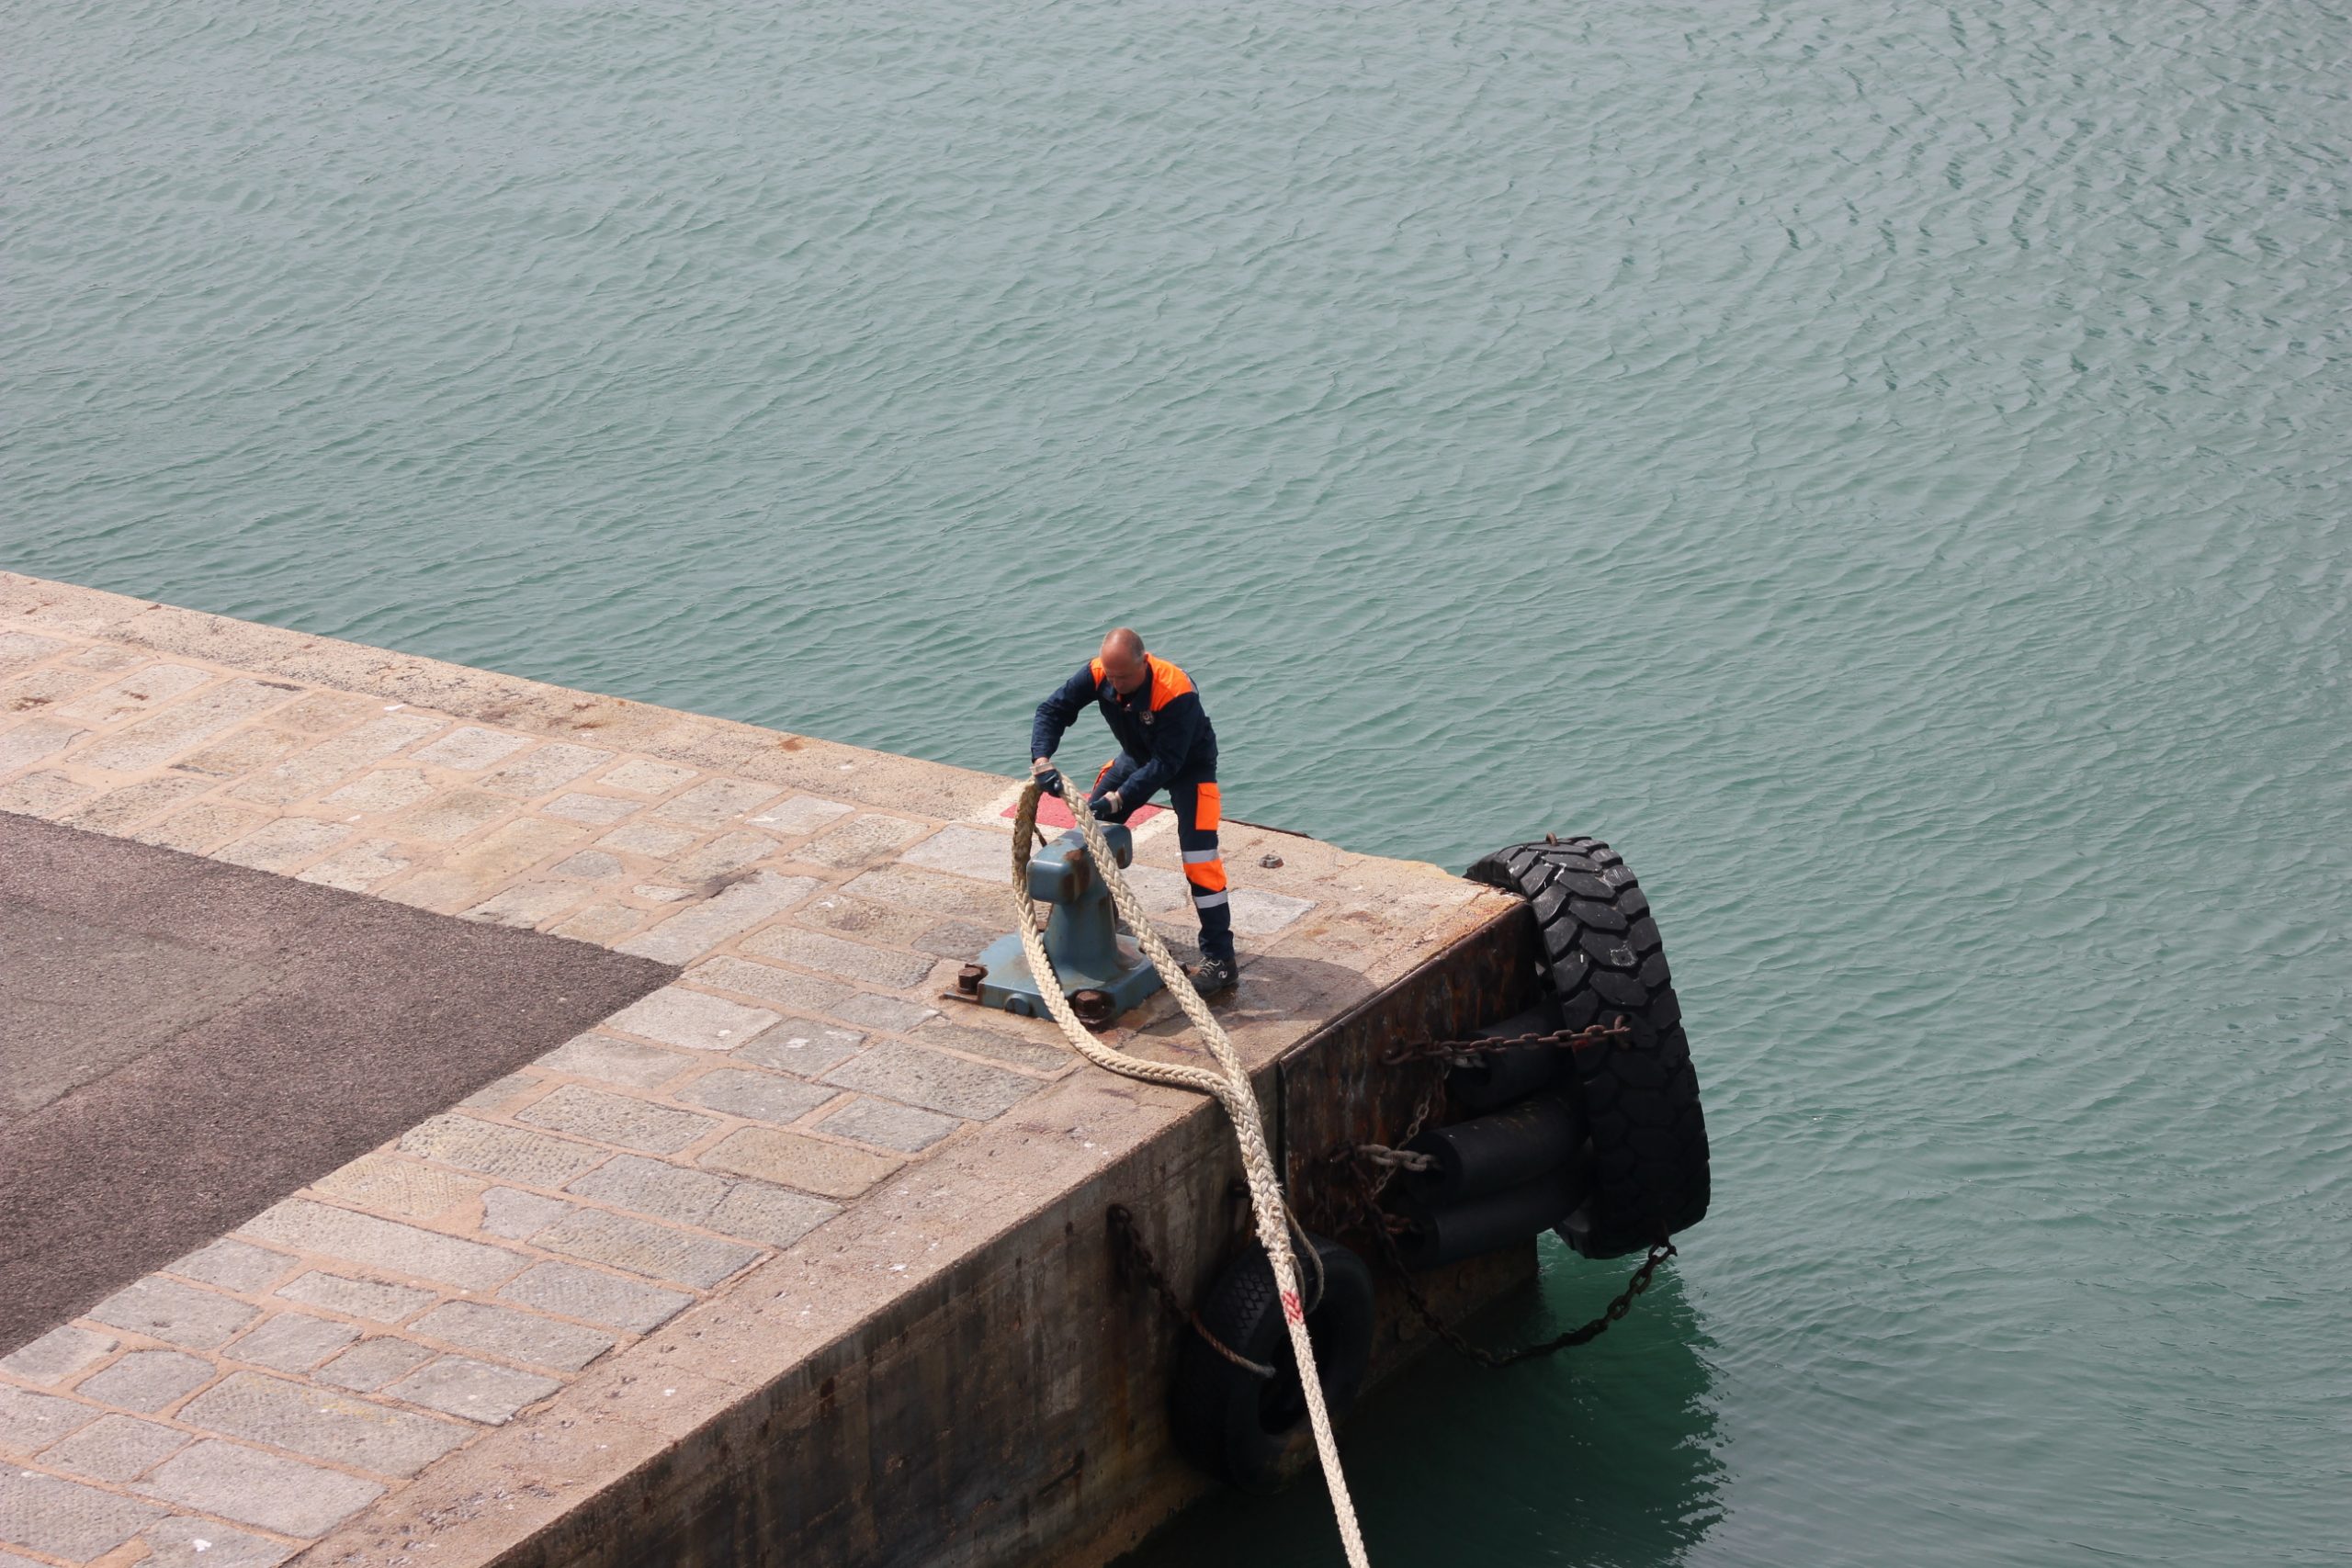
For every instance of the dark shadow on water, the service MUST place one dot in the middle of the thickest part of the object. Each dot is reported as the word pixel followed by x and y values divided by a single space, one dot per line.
pixel 1602 1455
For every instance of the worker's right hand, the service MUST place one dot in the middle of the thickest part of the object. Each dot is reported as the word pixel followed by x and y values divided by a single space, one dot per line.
pixel 1048 777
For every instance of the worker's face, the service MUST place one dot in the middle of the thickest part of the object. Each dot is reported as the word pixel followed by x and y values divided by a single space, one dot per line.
pixel 1126 673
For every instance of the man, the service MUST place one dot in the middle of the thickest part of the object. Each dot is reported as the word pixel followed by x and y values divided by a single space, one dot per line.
pixel 1165 742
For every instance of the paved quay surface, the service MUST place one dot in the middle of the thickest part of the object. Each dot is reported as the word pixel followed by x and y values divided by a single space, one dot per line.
pixel 518 1293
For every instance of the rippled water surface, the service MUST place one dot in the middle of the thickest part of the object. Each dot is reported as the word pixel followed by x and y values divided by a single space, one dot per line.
pixel 1884 466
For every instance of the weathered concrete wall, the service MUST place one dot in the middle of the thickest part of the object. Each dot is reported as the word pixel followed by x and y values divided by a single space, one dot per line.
pixel 1013 1409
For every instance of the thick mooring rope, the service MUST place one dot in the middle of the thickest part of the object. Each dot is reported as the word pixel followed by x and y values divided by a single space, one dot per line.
pixel 1229 1084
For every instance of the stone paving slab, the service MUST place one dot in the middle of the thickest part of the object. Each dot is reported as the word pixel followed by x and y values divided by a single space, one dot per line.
pixel 520 1293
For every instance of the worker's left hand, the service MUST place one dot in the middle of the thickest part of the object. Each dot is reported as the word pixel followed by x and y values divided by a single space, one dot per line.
pixel 1048 777
pixel 1106 805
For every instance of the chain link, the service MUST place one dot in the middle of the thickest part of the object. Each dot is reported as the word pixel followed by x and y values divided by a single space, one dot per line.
pixel 1383 1227
pixel 1619 1028
pixel 1136 1262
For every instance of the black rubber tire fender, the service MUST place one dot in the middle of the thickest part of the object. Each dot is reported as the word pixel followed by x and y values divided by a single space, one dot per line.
pixel 1242 1429
pixel 1600 954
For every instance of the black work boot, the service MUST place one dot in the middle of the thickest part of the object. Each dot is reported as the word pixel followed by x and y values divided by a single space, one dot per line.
pixel 1214 974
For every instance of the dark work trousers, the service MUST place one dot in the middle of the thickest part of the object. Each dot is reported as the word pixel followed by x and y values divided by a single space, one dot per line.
pixel 1197 815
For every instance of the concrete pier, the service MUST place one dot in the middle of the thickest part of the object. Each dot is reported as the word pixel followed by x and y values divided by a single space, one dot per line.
pixel 449 1119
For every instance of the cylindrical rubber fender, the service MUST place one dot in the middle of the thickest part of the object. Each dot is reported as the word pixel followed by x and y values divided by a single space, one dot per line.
pixel 1600 954
pixel 1500 1149
pixel 1243 1428
pixel 1482 1083
pixel 1439 1234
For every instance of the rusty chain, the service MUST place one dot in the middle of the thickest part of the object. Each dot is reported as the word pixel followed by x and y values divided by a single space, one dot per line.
pixel 1136 1262
pixel 1383 1227
pixel 1619 1028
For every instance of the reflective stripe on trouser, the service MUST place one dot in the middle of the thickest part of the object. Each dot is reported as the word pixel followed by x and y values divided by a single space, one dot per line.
pixel 1199 811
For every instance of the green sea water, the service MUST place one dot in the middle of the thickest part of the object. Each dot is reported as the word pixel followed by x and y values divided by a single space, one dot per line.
pixel 1884 467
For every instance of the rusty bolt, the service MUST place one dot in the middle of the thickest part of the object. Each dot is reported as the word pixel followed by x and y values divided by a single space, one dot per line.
pixel 1093 1008
pixel 969 978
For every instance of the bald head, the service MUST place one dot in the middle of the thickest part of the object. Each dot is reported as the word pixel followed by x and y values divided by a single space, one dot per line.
pixel 1122 659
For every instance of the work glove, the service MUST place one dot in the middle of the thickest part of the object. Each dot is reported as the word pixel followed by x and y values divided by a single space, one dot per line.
pixel 1106 805
pixel 1048 777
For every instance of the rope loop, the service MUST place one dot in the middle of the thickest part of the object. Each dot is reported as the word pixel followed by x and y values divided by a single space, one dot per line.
pixel 1229 1084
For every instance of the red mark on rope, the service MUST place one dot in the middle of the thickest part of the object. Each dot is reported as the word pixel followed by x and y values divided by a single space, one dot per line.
pixel 1292 1311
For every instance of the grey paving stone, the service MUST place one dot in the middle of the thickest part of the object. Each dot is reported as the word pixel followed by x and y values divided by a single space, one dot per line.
pixel 980 853
pixel 955 939
pixel 862 920
pixel 478 1391
pixel 370 1364
pixel 358 868
pixel 861 840
pixel 652 1187
pixel 933 1081
pixel 792 1159
pixel 175 1314
pixel 142 692
pixel 284 844
pixel 648 838
pixel 617 1119
pixel 1003 1044
pixel 29 1422
pixel 597 811
pixel 239 752
pixel 549 767
pixel 771 983
pixel 159 738
pixel 773 1217
pixel 510 1154
pixel 727 852
pixel 900 1127
pixel 294 1341
pixel 714 802
pixel 836 956
pixel 597 1055
pixel 761 1097
pixel 201 1543
pixel 595 1297
pixel 147 1380
pixel 526 903
pixel 201 827
pixel 797 1045
pixel 515 1215
pixel 58 1354
pixel 447 817
pixel 497 1094
pixel 517 1336
pixel 469 747
pixel 909 887
pixel 384 789
pixel 692 1020
pixel 642 775
pixel 382 1244
pixel 31 741
pixel 119 808
pixel 801 814
pixel 369 1299
pixel 347 1430
pixel 65 1519
pixel 587 865
pixel 116 1448
pixel 233 1265
pixel 694 931
pixel 256 1488
pixel 22 650
pixel 42 794
pixel 641 1247
pixel 876 1011
pixel 331 761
